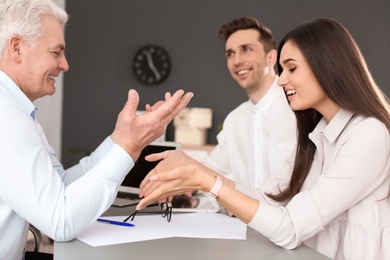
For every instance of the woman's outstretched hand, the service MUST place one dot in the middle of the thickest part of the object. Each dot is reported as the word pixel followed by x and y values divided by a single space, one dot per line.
pixel 176 173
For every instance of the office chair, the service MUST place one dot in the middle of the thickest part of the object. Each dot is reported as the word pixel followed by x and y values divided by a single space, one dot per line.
pixel 37 237
pixel 35 254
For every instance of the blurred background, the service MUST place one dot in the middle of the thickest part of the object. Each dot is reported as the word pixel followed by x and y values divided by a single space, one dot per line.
pixel 103 36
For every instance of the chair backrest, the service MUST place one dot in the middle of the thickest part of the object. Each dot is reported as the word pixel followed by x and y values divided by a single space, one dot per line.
pixel 37 237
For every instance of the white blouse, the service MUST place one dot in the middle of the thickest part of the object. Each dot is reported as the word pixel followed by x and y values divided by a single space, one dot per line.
pixel 343 209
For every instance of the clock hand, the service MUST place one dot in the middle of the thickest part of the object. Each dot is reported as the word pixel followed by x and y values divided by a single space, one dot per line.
pixel 151 64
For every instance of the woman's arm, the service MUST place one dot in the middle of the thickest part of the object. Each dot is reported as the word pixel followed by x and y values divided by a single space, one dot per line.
pixel 177 174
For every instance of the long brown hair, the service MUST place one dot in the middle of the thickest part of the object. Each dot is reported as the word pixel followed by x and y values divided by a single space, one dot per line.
pixel 340 69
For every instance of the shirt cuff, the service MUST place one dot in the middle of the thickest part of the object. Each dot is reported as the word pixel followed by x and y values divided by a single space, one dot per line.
pixel 117 162
pixel 265 219
pixel 287 226
pixel 102 149
pixel 307 224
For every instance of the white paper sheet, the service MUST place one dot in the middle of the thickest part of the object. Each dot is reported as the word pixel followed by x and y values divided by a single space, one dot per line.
pixel 148 227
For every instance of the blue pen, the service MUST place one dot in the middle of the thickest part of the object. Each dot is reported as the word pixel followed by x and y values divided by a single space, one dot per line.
pixel 113 222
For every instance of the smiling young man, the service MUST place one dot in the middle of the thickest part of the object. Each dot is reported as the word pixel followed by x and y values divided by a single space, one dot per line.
pixel 259 136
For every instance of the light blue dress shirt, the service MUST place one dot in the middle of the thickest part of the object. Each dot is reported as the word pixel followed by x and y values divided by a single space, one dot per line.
pixel 34 186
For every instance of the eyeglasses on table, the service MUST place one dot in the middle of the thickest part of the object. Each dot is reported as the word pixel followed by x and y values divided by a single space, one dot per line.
pixel 166 211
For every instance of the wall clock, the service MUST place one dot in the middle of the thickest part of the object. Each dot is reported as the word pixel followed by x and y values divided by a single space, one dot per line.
pixel 151 64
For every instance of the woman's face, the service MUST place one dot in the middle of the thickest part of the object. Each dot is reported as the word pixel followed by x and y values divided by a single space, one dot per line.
pixel 301 86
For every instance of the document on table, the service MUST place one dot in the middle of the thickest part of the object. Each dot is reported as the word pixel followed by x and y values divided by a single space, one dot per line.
pixel 148 227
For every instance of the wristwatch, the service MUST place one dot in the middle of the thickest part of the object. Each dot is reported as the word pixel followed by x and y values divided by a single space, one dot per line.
pixel 214 192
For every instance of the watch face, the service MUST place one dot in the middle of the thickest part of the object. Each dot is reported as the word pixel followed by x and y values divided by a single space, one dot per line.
pixel 151 64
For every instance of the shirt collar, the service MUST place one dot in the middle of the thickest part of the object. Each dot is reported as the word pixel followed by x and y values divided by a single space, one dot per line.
pixel 334 128
pixel 8 85
pixel 265 103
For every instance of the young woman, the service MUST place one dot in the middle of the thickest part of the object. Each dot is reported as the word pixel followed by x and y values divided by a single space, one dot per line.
pixel 337 198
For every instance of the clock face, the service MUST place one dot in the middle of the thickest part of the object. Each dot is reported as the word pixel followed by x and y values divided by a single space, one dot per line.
pixel 151 64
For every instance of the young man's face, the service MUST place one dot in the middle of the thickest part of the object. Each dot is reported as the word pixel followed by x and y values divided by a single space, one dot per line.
pixel 42 61
pixel 246 58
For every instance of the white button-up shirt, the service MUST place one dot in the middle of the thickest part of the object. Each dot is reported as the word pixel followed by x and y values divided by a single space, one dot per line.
pixel 256 140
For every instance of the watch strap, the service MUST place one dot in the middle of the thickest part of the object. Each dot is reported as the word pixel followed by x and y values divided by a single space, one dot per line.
pixel 216 188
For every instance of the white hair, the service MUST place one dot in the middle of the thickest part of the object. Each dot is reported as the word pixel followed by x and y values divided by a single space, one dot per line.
pixel 23 18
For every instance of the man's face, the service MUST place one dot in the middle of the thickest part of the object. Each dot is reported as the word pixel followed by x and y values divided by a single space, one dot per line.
pixel 43 61
pixel 246 59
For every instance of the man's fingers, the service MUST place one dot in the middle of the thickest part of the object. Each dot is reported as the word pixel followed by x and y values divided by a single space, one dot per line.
pixel 183 102
pixel 132 102
pixel 172 106
pixel 167 96
pixel 155 106
pixel 179 106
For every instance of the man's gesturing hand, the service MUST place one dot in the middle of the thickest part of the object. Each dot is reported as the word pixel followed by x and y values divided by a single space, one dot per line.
pixel 133 132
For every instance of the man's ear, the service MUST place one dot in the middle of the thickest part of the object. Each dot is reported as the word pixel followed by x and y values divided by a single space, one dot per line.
pixel 271 58
pixel 15 47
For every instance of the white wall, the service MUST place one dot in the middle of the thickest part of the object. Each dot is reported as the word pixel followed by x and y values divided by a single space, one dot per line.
pixel 50 109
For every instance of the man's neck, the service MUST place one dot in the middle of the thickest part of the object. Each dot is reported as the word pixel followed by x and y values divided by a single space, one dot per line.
pixel 256 95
